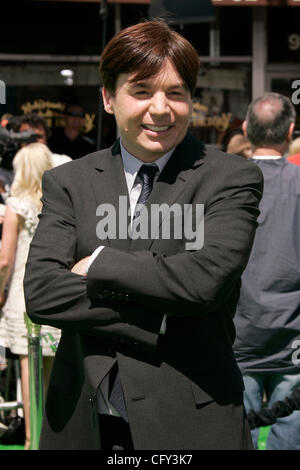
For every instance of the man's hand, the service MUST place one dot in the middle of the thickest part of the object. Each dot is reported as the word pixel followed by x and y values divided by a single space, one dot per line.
pixel 80 266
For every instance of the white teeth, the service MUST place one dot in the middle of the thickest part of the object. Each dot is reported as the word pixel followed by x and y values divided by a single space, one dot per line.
pixel 157 128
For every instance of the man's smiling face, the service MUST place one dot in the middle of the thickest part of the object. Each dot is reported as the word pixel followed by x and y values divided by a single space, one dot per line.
pixel 152 114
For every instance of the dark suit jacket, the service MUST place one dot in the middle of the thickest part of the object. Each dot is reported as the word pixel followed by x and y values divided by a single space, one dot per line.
pixel 180 389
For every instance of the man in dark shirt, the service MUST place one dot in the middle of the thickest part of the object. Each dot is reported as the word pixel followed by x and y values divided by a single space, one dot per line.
pixel 70 140
pixel 268 313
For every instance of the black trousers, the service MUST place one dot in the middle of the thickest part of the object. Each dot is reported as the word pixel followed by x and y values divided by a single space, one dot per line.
pixel 115 433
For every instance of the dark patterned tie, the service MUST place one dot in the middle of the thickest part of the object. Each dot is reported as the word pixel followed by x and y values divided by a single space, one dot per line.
pixel 147 174
pixel 116 397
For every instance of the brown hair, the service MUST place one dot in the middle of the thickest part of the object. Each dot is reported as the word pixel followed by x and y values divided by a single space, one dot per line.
pixel 143 48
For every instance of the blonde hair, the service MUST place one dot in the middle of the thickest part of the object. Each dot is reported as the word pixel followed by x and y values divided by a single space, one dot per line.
pixel 29 164
pixel 294 147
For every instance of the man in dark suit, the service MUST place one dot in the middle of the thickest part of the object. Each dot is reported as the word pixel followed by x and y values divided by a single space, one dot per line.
pixel 145 360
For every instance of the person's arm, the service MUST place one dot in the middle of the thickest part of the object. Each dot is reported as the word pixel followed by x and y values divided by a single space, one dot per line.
pixel 189 283
pixel 127 293
pixel 58 297
pixel 8 248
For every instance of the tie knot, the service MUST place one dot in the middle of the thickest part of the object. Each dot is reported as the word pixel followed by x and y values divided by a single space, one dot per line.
pixel 147 173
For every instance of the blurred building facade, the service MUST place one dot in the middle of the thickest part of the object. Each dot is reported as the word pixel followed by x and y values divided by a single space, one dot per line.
pixel 49 56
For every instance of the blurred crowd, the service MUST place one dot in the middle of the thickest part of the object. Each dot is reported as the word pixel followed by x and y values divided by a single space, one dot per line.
pixel 27 150
pixel 268 311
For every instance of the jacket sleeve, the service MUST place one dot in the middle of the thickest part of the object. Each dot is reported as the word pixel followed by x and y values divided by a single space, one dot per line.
pixel 56 296
pixel 190 282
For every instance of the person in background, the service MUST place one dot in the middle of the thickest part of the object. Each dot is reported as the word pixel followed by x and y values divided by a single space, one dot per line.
pixel 5 119
pixel 240 145
pixel 294 151
pixel 234 141
pixel 20 221
pixel 6 169
pixel 34 122
pixel 69 139
pixel 30 121
pixel 267 320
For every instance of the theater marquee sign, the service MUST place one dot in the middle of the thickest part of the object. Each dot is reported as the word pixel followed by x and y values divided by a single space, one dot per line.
pixel 53 113
pixel 201 118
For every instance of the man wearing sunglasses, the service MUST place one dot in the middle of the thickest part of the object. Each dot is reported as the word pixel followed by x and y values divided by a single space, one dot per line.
pixel 69 140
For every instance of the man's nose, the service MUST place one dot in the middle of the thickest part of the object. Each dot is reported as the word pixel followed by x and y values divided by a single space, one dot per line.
pixel 159 104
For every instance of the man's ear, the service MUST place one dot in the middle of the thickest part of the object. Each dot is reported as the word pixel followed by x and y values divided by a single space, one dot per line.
pixel 290 131
pixel 244 127
pixel 107 101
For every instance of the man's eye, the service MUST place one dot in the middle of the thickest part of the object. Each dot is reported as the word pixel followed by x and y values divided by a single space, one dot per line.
pixel 176 93
pixel 141 92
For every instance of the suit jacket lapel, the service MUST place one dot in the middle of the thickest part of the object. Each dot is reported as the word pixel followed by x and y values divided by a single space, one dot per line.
pixel 172 180
pixel 107 178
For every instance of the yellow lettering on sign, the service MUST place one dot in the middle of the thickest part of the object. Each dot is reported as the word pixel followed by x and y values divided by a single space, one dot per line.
pixel 39 105
pixel 52 112
pixel 200 118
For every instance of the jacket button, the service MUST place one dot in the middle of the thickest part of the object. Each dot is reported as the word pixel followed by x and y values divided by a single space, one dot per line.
pixel 91 401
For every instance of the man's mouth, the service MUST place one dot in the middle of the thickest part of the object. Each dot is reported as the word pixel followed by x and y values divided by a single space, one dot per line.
pixel 156 128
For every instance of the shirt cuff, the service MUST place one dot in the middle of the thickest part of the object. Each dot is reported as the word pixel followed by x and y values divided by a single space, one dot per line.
pixel 93 257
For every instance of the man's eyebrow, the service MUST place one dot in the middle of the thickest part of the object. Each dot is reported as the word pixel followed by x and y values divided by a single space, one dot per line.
pixel 146 84
pixel 140 84
pixel 179 86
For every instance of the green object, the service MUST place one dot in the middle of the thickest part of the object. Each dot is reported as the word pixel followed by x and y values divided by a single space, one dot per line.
pixel 53 343
pixel 36 393
pixel 11 447
pixel 262 437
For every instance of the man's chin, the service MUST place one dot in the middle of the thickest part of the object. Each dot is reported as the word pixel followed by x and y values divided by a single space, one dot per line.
pixel 156 149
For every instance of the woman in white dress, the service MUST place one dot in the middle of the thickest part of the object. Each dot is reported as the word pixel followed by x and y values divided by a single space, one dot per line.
pixel 20 221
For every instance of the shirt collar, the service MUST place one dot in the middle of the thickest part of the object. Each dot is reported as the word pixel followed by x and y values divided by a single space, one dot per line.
pixel 132 164
pixel 267 157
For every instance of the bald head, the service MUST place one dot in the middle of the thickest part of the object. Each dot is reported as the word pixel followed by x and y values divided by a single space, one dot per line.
pixel 268 108
pixel 268 120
